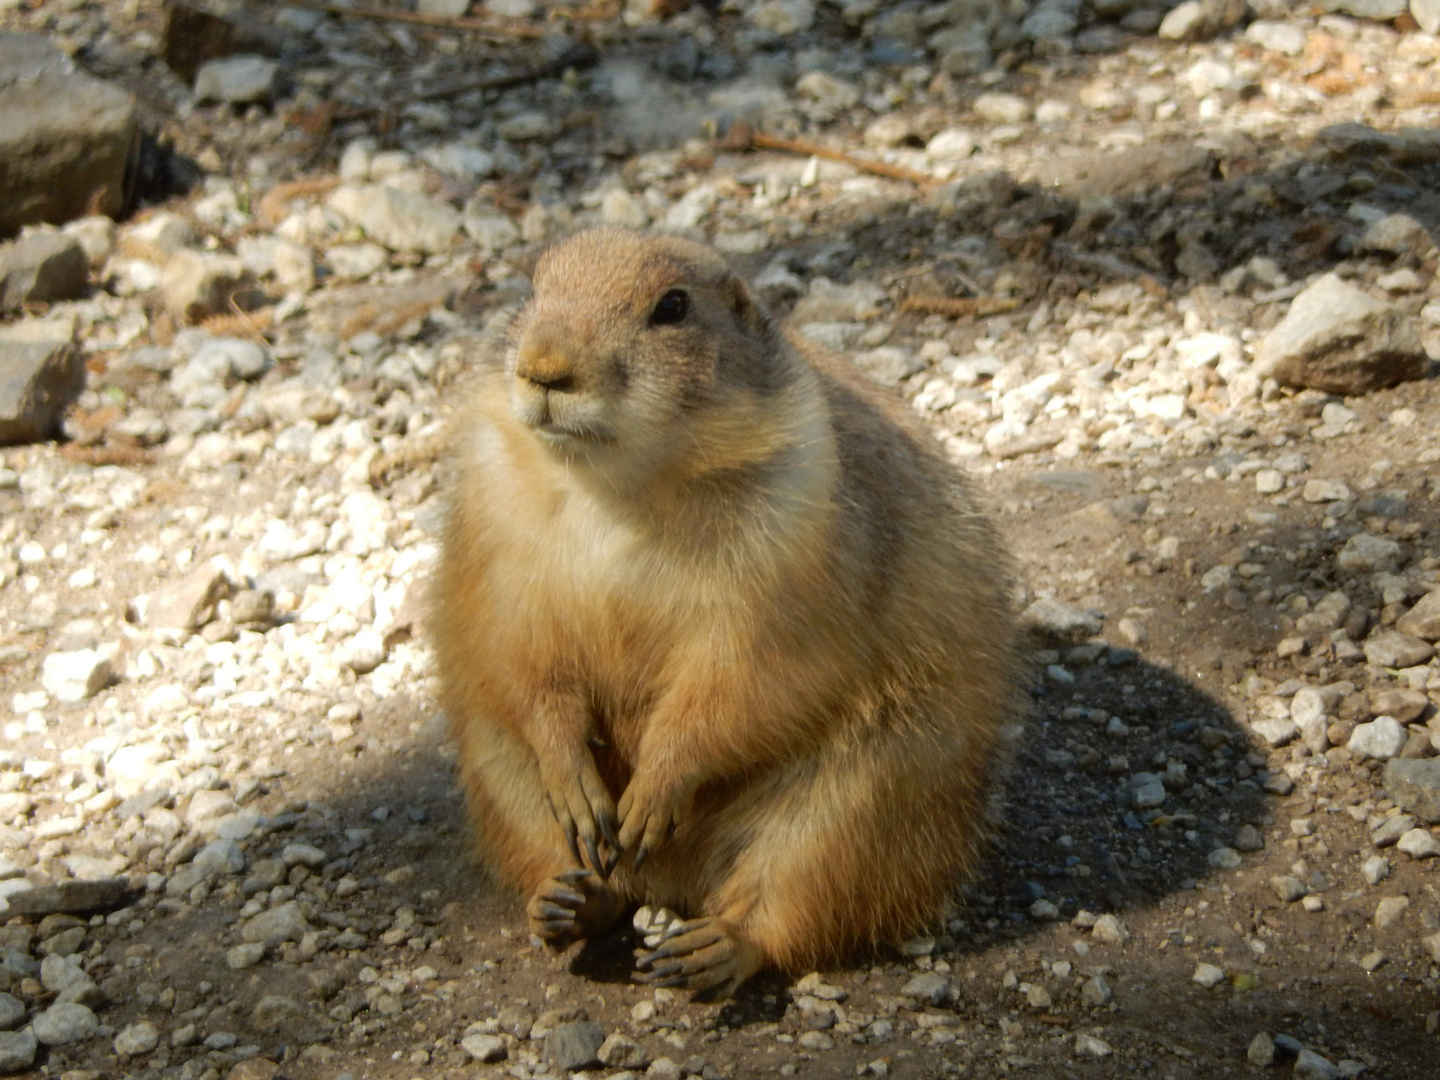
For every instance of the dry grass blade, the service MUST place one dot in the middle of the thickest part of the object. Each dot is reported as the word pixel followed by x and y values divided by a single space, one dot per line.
pixel 240 324
pixel 107 454
pixel 274 204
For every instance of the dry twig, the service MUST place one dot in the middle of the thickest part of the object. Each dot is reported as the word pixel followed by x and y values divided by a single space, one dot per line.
pixel 743 137
pixel 1112 266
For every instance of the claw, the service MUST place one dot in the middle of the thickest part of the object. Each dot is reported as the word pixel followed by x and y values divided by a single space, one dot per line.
pixel 571 905
pixel 594 854
pixel 607 830
pixel 641 854
pixel 704 955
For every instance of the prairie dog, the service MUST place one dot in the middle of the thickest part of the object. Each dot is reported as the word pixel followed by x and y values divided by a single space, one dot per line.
pixel 715 629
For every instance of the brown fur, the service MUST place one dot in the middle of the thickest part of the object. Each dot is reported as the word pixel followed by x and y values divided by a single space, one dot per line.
pixel 708 589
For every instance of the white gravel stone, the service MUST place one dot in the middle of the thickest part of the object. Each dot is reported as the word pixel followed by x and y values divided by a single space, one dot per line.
pixel 65 1023
pixel 1393 649
pixel 61 972
pixel 1281 37
pixel 1391 829
pixel 1382 739
pixel 929 987
pixel 1109 930
pixel 783 17
pixel 1311 1066
pixel 355 262
pixel 284 923
pixel 1225 858
pixel 1288 887
pixel 952 144
pixel 220 857
pixel 1276 732
pixel 1375 869
pixel 1368 553
pixel 401 220
pixel 307 855
pixel 208 807
pixel 1390 910
pixel 1419 844
pixel 131 769
pixel 1208 975
pixel 1092 1047
pixel 135 1039
pixel 487 1049
pixel 238 80
pixel 245 955
pixel 1319 491
pixel 75 676
pixel 17 1050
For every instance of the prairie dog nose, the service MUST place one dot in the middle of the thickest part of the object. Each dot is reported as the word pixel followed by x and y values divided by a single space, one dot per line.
pixel 542 362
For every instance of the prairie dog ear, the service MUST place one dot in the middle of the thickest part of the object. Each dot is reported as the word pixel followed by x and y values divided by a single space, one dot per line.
pixel 742 301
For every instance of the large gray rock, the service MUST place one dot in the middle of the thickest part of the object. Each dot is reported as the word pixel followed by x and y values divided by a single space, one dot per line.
pixel 575 1046
pixel 1414 785
pixel 40 269
pixel 1341 340
pixel 41 373
pixel 68 142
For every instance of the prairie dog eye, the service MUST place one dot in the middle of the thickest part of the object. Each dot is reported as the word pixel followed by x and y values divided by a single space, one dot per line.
pixel 671 308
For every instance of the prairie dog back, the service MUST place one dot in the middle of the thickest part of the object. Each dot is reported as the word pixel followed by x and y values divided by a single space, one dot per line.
pixel 716 629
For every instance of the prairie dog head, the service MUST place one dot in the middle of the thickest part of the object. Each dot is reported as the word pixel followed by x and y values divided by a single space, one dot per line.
pixel 645 352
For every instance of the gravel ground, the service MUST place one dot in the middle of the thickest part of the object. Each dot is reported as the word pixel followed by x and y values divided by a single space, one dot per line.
pixel 1155 294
